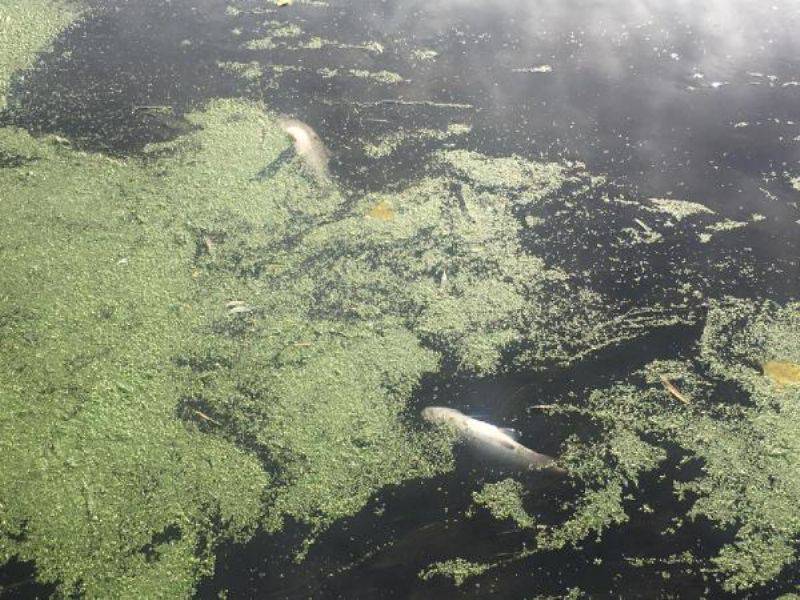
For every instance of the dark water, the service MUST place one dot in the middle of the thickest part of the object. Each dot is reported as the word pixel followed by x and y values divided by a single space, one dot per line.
pixel 694 101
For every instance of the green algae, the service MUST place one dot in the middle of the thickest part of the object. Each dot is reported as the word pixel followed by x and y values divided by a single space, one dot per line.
pixel 506 173
pixel 748 453
pixel 457 569
pixel 114 322
pixel 504 500
pixel 265 43
pixel 317 43
pixel 284 30
pixel 382 76
pixel 386 145
pixel 291 410
pixel 27 27
pixel 747 448
pixel 249 72
pixel 95 465
pixel 679 209
pixel 424 55
pixel 120 311
pixel 726 225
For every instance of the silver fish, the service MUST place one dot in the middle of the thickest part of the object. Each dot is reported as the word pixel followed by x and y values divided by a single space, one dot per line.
pixel 490 439
pixel 308 146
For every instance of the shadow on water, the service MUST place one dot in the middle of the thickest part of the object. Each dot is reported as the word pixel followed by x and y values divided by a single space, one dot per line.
pixel 18 580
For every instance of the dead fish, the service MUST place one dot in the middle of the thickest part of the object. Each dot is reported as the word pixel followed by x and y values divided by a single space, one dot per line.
pixel 308 146
pixel 485 437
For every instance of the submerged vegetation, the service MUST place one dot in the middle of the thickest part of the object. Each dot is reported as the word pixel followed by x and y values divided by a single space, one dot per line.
pixel 193 352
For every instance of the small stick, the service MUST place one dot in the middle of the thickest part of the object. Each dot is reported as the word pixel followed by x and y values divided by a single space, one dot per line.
pixel 670 387
pixel 204 416
pixel 160 107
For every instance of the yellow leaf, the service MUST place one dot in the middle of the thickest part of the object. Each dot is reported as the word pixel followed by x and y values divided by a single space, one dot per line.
pixel 782 373
pixel 382 211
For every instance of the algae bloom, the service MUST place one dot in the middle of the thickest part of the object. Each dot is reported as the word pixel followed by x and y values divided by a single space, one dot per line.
pixel 200 354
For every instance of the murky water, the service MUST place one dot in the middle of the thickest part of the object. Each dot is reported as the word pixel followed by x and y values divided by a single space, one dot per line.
pixel 678 100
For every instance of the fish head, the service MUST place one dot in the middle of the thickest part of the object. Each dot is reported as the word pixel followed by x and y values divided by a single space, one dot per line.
pixel 440 414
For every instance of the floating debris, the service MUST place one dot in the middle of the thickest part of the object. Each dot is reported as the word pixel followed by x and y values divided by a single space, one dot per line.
pixel 539 69
pixel 205 417
pixel 424 54
pixel 680 209
pixel 382 211
pixel 782 373
pixel 673 390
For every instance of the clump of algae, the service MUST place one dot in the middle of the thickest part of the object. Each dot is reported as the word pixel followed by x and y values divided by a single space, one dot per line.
pixel 679 209
pixel 387 144
pixel 26 27
pixel 457 569
pixel 161 409
pixel 504 500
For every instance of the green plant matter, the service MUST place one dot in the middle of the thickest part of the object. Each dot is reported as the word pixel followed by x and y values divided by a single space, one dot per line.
pixel 26 27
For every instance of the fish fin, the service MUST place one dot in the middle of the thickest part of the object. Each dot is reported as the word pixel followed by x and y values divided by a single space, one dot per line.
pixel 512 433
pixel 477 416
pixel 508 445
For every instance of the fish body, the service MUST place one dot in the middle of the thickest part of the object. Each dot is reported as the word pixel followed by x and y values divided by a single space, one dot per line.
pixel 308 146
pixel 489 439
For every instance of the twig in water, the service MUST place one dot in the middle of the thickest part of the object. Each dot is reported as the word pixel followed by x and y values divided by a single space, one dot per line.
pixel 670 387
pixel 205 417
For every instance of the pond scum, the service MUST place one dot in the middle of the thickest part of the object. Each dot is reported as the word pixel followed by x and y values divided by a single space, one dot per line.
pixel 143 422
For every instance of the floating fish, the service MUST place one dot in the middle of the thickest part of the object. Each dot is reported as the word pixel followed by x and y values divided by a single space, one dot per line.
pixel 488 438
pixel 308 146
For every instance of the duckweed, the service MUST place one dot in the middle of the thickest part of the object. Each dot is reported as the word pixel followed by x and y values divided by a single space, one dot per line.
pixel 504 500
pixel 25 29
pixel 747 444
pixel 143 423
